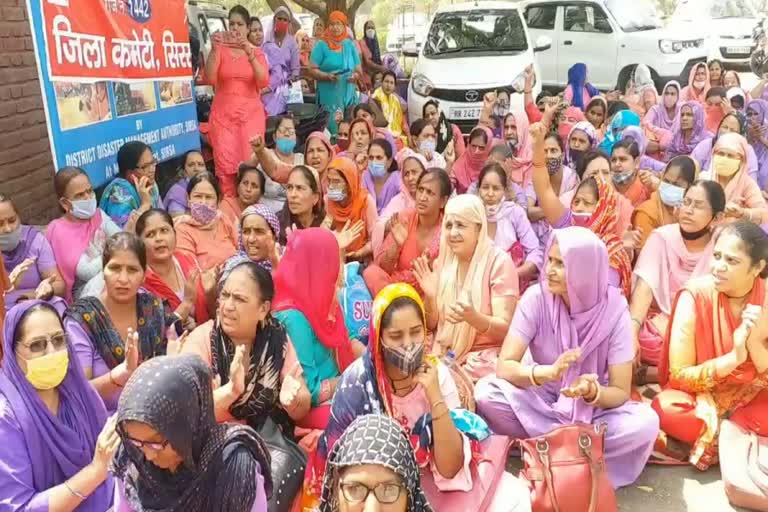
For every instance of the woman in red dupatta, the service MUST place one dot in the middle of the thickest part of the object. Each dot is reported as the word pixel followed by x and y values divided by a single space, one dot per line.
pixel 714 359
pixel 171 276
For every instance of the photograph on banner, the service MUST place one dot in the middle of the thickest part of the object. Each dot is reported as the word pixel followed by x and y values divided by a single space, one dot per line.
pixel 134 98
pixel 175 92
pixel 80 104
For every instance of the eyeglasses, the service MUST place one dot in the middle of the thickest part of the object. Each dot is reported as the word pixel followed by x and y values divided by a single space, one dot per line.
pixel 696 205
pixel 386 493
pixel 38 345
pixel 156 447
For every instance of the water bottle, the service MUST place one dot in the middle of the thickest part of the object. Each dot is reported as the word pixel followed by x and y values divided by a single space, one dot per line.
pixel 449 359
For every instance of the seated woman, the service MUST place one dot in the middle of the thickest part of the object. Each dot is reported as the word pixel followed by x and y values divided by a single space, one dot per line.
pixel 508 225
pixel 714 358
pixel 446 132
pixel 423 140
pixel 393 107
pixel 171 275
pixel 582 138
pixel 411 233
pixel 663 114
pixel 259 229
pixel 205 235
pixel 349 203
pixel 688 130
pixel 585 376
pixel 660 209
pixel 361 133
pixel 57 440
pixel 135 190
pixel 305 304
pixel 515 132
pixel 395 378
pixel 277 161
pixel 27 251
pixel 672 255
pixel 640 135
pixel 734 122
pixel 625 159
pixel 371 454
pixel 304 207
pixel 318 153
pixel 467 168
pixel 698 84
pixel 381 179
pixel 176 198
pixel 77 237
pixel 472 291
pixel 111 334
pixel 170 438
pixel 620 120
pixel 757 135
pixel 579 91
pixel 250 183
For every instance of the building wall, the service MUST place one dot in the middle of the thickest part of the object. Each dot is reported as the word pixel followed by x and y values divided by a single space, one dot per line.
pixel 26 166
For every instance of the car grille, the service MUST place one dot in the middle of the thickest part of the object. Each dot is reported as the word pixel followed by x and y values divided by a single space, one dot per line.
pixel 465 125
pixel 460 95
pixel 729 55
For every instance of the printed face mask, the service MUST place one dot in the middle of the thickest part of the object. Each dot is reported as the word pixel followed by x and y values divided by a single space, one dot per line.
pixel 202 213
pixel 407 360
pixel 554 165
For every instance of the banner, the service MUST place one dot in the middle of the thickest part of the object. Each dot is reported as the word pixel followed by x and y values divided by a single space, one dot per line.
pixel 112 71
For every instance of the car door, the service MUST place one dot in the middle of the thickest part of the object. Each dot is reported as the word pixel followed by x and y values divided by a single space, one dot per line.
pixel 587 36
pixel 541 19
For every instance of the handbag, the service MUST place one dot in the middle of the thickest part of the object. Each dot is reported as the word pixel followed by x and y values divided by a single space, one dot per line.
pixel 744 466
pixel 287 465
pixel 565 470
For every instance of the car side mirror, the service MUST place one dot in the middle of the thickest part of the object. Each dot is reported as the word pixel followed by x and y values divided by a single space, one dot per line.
pixel 543 43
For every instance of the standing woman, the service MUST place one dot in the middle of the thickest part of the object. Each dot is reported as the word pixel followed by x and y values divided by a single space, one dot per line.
pixel 688 130
pixel 304 207
pixel 335 64
pixel 371 53
pixel 447 133
pixel 283 58
pixel 255 32
pixel 239 72
pixel 176 201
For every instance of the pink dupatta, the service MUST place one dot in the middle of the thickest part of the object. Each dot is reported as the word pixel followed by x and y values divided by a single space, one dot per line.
pixel 69 240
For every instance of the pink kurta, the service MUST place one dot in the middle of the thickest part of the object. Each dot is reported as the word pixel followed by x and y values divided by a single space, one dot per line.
pixel 210 247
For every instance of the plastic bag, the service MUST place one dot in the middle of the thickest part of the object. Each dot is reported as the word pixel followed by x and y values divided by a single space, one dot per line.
pixel 356 301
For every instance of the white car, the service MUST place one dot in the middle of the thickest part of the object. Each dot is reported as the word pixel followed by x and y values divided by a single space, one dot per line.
pixel 728 23
pixel 471 49
pixel 611 37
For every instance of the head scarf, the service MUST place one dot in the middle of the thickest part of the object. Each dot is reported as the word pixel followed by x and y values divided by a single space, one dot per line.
pixel 604 103
pixel 220 461
pixel 577 79
pixel 691 94
pixel 642 77
pixel 593 317
pixel 269 29
pixel 377 440
pixel 522 161
pixel 444 129
pixel 636 134
pixel 59 446
pixel 587 129
pixel 660 111
pixel 460 337
pixel 649 91
pixel 273 223
pixel 761 150
pixel 679 146
pixel 373 46
pixel 403 156
pixel 334 42
pixel 572 116
pixel 21 252
pixel 306 281
pixel 736 92
pixel 357 197
pixel 741 182
pixel 621 120
pixel 322 137
pixel 467 168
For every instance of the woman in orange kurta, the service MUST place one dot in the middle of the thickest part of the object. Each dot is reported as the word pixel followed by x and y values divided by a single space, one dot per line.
pixel 714 361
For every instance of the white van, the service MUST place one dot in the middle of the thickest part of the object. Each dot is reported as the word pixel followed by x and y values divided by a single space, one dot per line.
pixel 207 18
pixel 471 49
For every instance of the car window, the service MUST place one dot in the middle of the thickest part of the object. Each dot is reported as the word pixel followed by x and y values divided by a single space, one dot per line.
pixel 203 28
pixel 487 31
pixel 586 18
pixel 541 17
pixel 216 24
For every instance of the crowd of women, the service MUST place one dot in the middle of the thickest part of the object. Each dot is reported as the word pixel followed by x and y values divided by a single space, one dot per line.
pixel 187 350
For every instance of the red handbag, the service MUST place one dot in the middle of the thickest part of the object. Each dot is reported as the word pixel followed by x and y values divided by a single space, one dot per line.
pixel 565 470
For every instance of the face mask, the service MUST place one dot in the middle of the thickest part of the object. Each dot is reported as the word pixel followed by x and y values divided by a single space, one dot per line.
pixel 377 169
pixel 370 33
pixel 671 195
pixel 285 146
pixel 202 213
pixel 492 211
pixel 281 26
pixel 336 195
pixel 725 165
pixel 512 143
pixel 407 361
pixel 576 156
pixel 10 241
pixel 554 165
pixel 669 101
pixel 581 219
pixel 84 209
pixel 428 146
pixel 48 371
pixel 696 234
pixel 623 179
pixel 564 130
pixel 343 144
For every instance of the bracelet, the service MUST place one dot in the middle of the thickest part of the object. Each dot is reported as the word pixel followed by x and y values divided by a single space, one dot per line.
pixel 490 324
pixel 74 492
pixel 597 395
pixel 749 214
pixel 638 322
pixel 435 404
pixel 113 381
pixel 435 418
pixel 532 377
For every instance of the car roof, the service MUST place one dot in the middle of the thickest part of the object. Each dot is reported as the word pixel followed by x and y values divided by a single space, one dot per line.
pixel 484 5
pixel 526 3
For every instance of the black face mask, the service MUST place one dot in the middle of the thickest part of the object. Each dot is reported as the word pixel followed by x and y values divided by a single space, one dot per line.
pixel 576 156
pixel 696 234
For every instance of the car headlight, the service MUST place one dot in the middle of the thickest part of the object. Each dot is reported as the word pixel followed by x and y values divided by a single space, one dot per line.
pixel 669 46
pixel 421 85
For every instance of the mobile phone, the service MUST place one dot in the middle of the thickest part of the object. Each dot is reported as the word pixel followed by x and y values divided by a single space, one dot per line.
pixel 226 38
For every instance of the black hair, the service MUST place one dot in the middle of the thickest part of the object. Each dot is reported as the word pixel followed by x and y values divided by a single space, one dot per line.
pixel 501 150
pixel 128 156
pixel 418 126
pixel 365 25
pixel 614 107
pixel 741 118
pixel 395 306
pixel 446 187
pixel 240 11
pixel 687 168
pixel 254 19
pixel 432 103
pixel 716 91
pixel 62 178
pixel 478 132
pixel 7 199
pixel 245 169
pixel 201 177
pixel 287 219
pixel 493 167
pixel 716 61
pixel 589 157
pixel 593 101
pixel 629 145
pixel 385 145
pixel 21 323
pixel 186 155
pixel 557 138
pixel 124 241
pixel 364 107
pixel 389 73
pixel 281 119
pixel 141 224
pixel 258 275
pixel 714 192
pixel 755 241
pixel 543 94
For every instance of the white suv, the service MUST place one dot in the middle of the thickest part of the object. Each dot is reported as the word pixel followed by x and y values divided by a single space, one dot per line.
pixel 471 49
pixel 612 37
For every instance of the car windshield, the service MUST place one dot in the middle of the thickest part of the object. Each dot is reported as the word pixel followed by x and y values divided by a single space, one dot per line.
pixel 692 10
pixel 476 32
pixel 634 15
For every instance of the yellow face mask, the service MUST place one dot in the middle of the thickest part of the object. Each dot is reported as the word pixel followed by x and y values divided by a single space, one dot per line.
pixel 48 371
pixel 725 165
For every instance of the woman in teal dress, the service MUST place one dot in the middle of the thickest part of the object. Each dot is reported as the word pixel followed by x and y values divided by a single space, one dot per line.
pixel 335 64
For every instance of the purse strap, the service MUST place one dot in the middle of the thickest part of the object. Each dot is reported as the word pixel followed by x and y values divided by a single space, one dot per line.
pixel 585 445
pixel 755 470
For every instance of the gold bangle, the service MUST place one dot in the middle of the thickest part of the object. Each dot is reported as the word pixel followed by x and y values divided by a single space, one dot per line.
pixel 435 418
pixel 435 404
pixel 532 377
pixel 75 493
pixel 490 324
pixel 597 395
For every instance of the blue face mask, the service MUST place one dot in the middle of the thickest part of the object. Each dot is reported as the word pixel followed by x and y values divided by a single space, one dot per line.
pixel 336 194
pixel 671 195
pixel 377 169
pixel 623 179
pixel 84 209
pixel 285 146
pixel 428 146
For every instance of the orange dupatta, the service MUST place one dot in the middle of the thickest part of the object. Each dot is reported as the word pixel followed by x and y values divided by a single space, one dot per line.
pixel 334 42
pixel 603 224
pixel 358 200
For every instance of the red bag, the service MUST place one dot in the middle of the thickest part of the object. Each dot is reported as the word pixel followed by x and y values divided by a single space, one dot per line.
pixel 565 470
pixel 744 466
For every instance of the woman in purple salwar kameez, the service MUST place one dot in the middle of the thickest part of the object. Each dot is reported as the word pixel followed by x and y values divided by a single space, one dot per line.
pixel 381 178
pixel 283 59
pixel 568 358
pixel 56 440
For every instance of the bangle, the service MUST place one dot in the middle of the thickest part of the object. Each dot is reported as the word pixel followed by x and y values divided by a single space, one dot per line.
pixel 638 322
pixel 597 395
pixel 113 381
pixel 435 418
pixel 74 492
pixel 490 324
pixel 435 404
pixel 532 377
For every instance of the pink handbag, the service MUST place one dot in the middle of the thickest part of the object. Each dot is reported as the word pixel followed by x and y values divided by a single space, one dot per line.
pixel 744 466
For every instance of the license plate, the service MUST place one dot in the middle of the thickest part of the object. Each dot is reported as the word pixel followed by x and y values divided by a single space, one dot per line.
pixel 739 50
pixel 459 113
